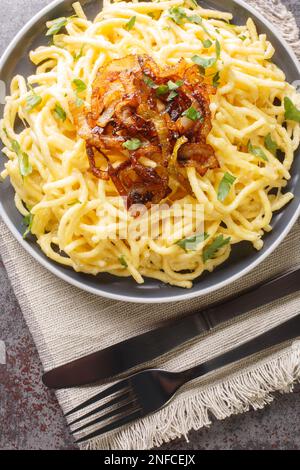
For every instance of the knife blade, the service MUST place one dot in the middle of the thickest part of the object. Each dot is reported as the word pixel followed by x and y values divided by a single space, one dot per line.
pixel 120 357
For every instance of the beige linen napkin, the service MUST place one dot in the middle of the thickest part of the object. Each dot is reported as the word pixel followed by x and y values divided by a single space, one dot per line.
pixel 67 323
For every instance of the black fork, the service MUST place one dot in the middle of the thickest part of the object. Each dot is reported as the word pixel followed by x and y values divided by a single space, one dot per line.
pixel 150 390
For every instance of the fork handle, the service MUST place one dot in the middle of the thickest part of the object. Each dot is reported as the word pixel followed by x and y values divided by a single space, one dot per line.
pixel 286 331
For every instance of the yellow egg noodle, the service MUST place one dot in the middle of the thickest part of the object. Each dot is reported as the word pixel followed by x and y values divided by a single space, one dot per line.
pixel 71 210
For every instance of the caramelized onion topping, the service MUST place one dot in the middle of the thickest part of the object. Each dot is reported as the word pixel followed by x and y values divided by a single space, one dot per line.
pixel 134 98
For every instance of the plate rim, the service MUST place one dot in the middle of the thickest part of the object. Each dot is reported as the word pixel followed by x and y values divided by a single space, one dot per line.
pixel 141 299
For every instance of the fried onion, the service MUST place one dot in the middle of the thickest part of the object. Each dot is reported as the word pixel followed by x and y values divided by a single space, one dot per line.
pixel 134 98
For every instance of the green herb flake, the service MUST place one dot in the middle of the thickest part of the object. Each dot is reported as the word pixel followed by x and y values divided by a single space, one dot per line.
pixel 198 20
pixel 123 261
pixel 16 146
pixel 172 95
pixel 291 112
pixel 132 144
pixel 207 43
pixel 162 90
pixel 57 25
pixel 218 50
pixel 27 221
pixel 271 145
pixel 225 186
pixel 171 86
pixel 195 19
pixel 216 80
pixel 257 151
pixel 80 85
pixel 177 14
pixel 60 113
pixel 192 114
pixel 149 82
pixel 78 55
pixel 32 101
pixel 243 38
pixel 174 85
pixel 128 26
pixel 214 247
pixel 207 62
pixel 25 167
pixel 191 243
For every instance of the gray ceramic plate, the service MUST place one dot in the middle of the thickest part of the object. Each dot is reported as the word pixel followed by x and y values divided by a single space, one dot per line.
pixel 243 258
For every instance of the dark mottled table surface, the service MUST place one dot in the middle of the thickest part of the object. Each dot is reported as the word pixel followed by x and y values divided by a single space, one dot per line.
pixel 30 417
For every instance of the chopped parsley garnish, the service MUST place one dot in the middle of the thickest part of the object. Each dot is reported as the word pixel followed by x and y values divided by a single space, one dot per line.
pixel 132 144
pixel 216 80
pixel 57 25
pixel 25 167
pixel 291 112
pixel 207 43
pixel 172 95
pixel 123 261
pixel 271 145
pixel 206 62
pixel 60 113
pixel 128 26
pixel 174 85
pixel 195 19
pixel 27 221
pixel 214 247
pixel 257 151
pixel 192 113
pixel 80 87
pixel 79 84
pixel 162 90
pixel 218 49
pixel 149 82
pixel 78 55
pixel 191 243
pixel 32 101
pixel 225 186
pixel 177 14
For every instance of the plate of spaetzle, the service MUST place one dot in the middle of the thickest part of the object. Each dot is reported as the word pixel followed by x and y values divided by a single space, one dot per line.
pixel 150 149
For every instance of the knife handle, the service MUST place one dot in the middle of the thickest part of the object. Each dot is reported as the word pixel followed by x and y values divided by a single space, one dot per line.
pixel 256 296
pixel 175 333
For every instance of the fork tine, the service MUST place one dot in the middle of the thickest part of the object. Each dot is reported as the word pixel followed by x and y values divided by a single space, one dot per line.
pixel 115 401
pixel 122 409
pixel 109 391
pixel 110 427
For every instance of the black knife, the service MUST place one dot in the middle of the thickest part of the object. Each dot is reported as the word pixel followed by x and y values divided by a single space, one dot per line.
pixel 125 355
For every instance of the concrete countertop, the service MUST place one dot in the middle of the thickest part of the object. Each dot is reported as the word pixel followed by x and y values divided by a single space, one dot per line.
pixel 30 417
